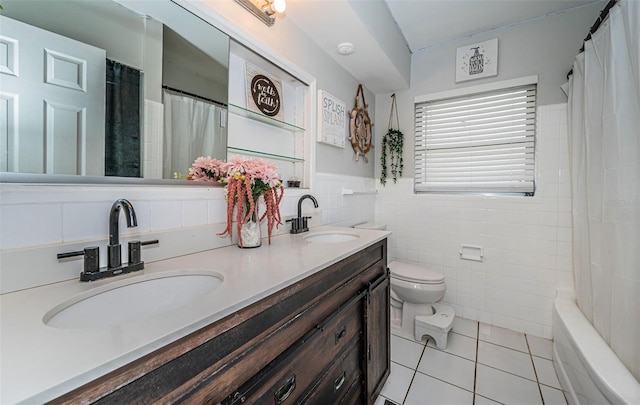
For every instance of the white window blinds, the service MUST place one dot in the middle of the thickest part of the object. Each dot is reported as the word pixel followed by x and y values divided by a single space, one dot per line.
pixel 483 142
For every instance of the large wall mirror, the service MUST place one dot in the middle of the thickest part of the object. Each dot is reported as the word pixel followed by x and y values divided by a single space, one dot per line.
pixel 109 91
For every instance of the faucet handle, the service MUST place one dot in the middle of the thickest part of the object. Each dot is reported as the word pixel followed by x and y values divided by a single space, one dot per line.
pixel 134 252
pixel 298 224
pixel 91 258
pixel 150 242
pixel 134 248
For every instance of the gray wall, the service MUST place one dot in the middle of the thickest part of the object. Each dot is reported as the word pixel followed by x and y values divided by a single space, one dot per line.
pixel 301 50
pixel 545 47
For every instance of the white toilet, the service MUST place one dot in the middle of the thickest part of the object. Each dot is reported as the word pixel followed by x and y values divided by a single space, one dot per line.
pixel 415 292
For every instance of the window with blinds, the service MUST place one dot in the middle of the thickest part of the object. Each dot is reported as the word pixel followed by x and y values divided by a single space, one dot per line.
pixel 482 143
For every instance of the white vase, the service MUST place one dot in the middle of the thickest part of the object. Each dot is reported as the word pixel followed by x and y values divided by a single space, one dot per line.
pixel 250 233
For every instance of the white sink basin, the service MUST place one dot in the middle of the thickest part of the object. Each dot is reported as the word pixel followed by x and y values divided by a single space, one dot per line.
pixel 331 237
pixel 133 299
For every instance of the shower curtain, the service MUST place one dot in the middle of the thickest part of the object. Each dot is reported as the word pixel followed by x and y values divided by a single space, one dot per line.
pixel 192 128
pixel 122 121
pixel 604 144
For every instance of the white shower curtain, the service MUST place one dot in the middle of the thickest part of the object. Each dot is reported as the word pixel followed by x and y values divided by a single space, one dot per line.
pixel 192 128
pixel 604 133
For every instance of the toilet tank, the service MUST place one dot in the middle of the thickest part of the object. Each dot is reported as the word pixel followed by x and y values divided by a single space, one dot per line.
pixel 379 226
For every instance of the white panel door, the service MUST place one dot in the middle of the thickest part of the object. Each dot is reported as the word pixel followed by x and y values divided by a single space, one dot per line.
pixel 52 93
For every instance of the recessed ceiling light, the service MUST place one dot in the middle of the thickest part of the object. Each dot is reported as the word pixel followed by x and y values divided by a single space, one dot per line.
pixel 346 48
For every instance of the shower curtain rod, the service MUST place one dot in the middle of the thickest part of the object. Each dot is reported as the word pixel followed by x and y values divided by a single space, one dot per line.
pixel 194 95
pixel 604 13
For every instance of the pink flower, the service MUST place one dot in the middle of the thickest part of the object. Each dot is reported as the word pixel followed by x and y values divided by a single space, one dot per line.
pixel 206 169
pixel 266 171
pixel 236 164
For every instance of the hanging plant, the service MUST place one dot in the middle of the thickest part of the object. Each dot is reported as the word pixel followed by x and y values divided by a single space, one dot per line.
pixel 393 141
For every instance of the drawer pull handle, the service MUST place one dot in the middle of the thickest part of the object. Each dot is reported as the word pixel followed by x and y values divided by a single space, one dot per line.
pixel 339 382
pixel 341 333
pixel 283 393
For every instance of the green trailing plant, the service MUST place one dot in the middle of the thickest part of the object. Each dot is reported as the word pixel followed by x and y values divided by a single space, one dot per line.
pixel 393 142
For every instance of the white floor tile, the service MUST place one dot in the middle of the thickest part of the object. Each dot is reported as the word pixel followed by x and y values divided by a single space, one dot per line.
pixel 398 383
pixel 459 345
pixel 503 337
pixel 465 327
pixel 504 359
pixel 540 347
pixel 405 352
pixel 397 331
pixel 552 396
pixel 546 372
pixel 380 400
pixel 426 390
pixel 447 367
pixel 506 388
pixel 479 400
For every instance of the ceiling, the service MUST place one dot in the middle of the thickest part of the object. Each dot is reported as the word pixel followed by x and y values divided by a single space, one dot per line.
pixel 419 26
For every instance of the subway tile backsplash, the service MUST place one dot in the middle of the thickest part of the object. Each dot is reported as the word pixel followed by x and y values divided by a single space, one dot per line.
pixel 56 218
pixel 526 240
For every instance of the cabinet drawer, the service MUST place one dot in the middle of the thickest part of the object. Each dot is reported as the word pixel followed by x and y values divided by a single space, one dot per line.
pixel 335 384
pixel 295 372
pixel 355 394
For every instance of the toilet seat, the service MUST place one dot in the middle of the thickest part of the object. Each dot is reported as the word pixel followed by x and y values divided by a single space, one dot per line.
pixel 414 274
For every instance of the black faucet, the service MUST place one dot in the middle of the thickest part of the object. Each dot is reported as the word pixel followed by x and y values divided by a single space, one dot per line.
pixel 114 253
pixel 299 224
pixel 92 270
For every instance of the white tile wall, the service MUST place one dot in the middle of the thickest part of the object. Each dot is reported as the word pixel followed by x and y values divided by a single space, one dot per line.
pixel 38 218
pixel 345 210
pixel 153 139
pixel 526 240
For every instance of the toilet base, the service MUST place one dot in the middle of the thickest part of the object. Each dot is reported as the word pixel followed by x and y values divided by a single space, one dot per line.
pixel 437 325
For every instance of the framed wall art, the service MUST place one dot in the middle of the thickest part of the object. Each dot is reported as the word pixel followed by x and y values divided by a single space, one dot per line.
pixel 332 120
pixel 476 61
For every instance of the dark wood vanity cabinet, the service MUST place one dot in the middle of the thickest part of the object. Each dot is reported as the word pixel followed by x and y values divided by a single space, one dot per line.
pixel 322 340
pixel 378 329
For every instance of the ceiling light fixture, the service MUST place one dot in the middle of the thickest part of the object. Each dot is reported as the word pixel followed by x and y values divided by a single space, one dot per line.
pixel 265 10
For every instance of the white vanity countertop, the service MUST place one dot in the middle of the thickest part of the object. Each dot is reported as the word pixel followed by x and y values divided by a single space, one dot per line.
pixel 39 363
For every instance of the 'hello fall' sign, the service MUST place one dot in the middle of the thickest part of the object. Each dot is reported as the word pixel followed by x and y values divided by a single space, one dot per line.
pixel 264 94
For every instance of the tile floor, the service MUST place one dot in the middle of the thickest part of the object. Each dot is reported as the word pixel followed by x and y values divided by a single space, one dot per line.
pixel 481 365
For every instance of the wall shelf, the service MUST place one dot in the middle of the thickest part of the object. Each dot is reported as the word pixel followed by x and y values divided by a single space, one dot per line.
pixel 264 154
pixel 243 112
pixel 349 191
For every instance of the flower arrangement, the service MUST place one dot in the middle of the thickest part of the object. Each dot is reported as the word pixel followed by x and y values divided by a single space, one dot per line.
pixel 206 169
pixel 246 181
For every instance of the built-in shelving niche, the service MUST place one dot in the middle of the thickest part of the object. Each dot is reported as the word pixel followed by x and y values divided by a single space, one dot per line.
pixel 285 142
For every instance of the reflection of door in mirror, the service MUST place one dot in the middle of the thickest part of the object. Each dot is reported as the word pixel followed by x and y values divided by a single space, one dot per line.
pixel 52 120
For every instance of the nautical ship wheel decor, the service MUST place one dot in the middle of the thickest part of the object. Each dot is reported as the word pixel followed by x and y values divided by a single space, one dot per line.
pixel 360 127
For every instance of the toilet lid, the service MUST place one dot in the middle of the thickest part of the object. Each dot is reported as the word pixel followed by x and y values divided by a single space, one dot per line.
pixel 371 225
pixel 414 273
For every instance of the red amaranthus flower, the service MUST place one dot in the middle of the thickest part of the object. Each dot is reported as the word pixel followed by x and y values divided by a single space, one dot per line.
pixel 247 180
